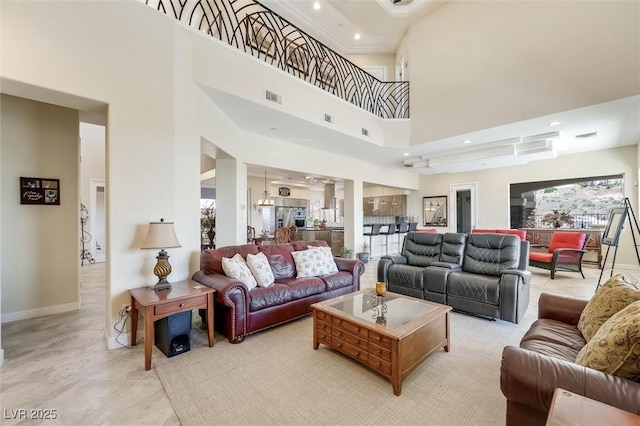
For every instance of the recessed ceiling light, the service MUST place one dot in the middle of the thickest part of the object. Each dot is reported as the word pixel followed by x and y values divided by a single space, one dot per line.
pixel 316 5
pixel 555 123
pixel 406 154
pixel 466 141
pixel 356 36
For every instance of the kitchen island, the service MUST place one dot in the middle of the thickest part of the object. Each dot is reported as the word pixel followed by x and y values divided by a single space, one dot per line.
pixel 334 237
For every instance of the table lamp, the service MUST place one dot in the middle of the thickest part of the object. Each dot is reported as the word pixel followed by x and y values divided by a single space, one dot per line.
pixel 161 235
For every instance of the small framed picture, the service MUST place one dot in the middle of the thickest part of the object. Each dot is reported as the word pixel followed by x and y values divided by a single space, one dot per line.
pixel 43 191
pixel 260 36
pixel 297 56
pixel 435 210
pixel 325 73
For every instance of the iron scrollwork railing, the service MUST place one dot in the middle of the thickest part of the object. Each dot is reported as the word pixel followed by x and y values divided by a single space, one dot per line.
pixel 253 28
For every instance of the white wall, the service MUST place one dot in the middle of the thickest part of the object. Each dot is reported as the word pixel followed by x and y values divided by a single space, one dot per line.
pixel 92 158
pixel 384 61
pixel 156 117
pixel 493 185
pixel 480 64
pixel 132 71
pixel 40 260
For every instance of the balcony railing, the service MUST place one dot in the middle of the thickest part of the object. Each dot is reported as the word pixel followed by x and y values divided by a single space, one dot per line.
pixel 253 28
pixel 578 220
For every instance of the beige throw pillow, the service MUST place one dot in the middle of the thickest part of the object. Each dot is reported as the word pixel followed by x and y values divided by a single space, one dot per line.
pixel 236 267
pixel 614 295
pixel 615 349
pixel 314 262
pixel 260 269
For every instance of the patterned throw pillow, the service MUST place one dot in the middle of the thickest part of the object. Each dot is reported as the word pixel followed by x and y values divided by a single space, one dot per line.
pixel 314 262
pixel 615 349
pixel 236 267
pixel 261 269
pixel 613 296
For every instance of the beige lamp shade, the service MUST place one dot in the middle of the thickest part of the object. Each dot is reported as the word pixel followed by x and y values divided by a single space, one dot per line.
pixel 161 235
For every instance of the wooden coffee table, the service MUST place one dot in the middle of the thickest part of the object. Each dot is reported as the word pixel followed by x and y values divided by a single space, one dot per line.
pixel 391 338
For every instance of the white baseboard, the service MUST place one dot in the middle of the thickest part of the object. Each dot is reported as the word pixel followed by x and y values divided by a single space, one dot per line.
pixel 39 312
pixel 123 339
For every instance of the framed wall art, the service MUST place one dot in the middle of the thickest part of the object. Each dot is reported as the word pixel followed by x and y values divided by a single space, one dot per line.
pixel 43 191
pixel 297 56
pixel 435 210
pixel 325 72
pixel 260 36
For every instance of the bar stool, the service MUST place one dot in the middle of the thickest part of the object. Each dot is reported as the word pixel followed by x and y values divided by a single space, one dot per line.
pixel 413 226
pixel 403 228
pixel 375 230
pixel 391 230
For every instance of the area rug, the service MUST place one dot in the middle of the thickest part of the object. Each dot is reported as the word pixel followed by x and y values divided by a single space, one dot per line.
pixel 277 378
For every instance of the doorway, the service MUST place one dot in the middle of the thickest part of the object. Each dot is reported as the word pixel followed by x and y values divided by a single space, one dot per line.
pixel 463 215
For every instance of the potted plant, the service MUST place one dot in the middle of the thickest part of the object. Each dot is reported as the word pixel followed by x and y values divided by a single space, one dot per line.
pixel 558 218
pixel 364 254
pixel 346 253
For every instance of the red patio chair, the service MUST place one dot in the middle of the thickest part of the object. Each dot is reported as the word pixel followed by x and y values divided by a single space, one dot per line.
pixel 565 253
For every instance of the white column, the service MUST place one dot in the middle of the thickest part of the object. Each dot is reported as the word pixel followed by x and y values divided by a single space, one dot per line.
pixel 231 209
pixel 353 212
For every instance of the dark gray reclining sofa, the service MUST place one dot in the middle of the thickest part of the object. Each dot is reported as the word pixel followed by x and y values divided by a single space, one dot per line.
pixel 482 274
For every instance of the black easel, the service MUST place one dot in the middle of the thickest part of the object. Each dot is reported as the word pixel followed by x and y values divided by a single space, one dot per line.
pixel 612 233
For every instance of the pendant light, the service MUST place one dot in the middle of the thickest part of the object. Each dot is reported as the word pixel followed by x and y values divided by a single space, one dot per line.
pixel 266 200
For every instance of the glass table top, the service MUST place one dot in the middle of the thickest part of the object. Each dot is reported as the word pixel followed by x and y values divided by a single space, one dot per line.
pixel 392 310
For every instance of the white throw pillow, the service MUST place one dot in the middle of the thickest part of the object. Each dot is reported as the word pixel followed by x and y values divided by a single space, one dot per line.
pixel 314 261
pixel 237 268
pixel 261 269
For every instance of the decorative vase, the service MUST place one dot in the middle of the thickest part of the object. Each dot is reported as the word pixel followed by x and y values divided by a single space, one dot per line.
pixel 381 288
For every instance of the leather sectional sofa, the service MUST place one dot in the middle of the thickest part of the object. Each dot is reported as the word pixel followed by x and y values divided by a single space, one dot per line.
pixel 240 312
pixel 546 360
pixel 481 273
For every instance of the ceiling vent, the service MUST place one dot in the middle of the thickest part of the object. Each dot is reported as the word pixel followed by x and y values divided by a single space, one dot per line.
pixel 328 118
pixel 587 135
pixel 273 97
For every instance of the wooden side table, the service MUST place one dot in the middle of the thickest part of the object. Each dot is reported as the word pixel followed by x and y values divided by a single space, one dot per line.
pixel 568 408
pixel 183 296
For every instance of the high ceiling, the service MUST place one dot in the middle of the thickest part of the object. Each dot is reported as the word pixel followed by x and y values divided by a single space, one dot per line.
pixel 381 24
pixel 550 83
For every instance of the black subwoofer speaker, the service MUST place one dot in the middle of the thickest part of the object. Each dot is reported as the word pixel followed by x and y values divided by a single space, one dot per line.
pixel 173 334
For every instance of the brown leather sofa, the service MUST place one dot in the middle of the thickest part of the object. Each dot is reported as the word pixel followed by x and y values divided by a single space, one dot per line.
pixel 545 361
pixel 240 312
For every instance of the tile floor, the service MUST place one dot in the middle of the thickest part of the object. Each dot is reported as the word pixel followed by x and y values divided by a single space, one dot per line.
pixel 60 362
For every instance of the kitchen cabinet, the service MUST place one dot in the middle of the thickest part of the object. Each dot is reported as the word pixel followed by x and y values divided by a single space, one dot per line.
pixel 383 206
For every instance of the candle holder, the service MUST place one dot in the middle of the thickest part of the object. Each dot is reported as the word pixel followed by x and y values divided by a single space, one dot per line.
pixel 381 288
pixel 379 309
